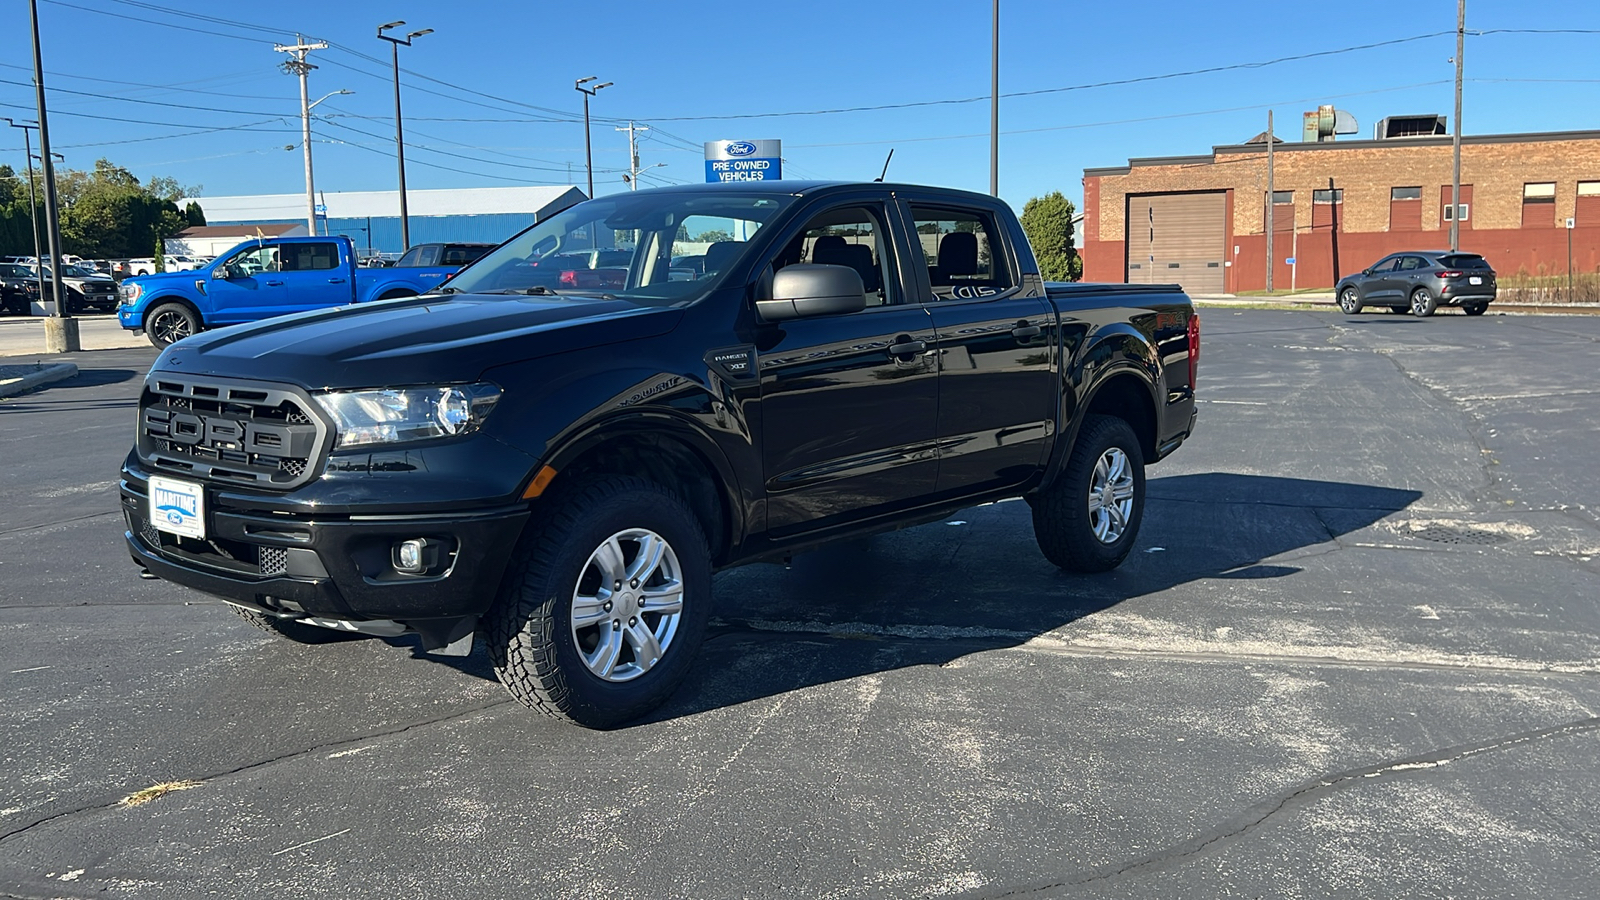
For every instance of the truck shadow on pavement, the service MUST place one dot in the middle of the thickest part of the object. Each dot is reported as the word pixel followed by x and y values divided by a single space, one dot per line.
pixel 977 582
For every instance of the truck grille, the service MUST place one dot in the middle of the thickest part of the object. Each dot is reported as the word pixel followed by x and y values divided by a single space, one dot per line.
pixel 248 433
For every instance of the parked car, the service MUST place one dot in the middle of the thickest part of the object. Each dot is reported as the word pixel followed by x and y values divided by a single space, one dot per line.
pixel 1419 282
pixel 84 290
pixel 263 278
pixel 19 287
pixel 559 471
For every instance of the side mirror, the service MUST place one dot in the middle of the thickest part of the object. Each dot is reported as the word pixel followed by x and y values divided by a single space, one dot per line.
pixel 809 289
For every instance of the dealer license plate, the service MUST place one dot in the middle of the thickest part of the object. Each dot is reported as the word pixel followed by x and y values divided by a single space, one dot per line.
pixel 177 507
pixel 1475 279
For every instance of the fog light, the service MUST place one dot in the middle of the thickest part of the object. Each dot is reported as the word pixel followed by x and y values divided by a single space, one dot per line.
pixel 410 556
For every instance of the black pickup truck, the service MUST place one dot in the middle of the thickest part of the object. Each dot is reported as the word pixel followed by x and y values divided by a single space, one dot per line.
pixel 558 471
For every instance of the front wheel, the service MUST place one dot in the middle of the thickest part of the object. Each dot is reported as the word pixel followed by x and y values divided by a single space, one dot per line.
pixel 600 616
pixel 1423 303
pixel 1088 519
pixel 1350 301
pixel 169 323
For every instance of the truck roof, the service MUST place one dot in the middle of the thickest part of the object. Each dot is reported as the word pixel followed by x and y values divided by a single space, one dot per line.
pixel 813 188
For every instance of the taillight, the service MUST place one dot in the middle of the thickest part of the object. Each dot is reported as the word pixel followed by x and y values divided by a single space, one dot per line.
pixel 1451 274
pixel 1194 347
pixel 569 277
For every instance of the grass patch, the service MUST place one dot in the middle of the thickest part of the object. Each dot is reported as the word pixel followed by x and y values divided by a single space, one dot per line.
pixel 1235 304
pixel 140 798
pixel 1283 293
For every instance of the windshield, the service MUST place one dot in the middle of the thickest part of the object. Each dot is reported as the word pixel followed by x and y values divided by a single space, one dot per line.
pixel 666 249
pixel 75 272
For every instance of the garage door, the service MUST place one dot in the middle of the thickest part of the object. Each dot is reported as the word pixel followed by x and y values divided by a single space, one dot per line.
pixel 1178 238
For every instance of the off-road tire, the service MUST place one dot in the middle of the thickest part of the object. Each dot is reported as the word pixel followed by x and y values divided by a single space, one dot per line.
pixel 299 632
pixel 180 316
pixel 1062 522
pixel 529 633
pixel 1423 303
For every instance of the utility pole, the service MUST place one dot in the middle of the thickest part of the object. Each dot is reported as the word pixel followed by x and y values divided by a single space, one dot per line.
pixel 33 204
pixel 60 330
pixel 297 65
pixel 1333 199
pixel 399 134
pixel 633 153
pixel 1270 198
pixel 588 148
pixel 994 104
pixel 1455 184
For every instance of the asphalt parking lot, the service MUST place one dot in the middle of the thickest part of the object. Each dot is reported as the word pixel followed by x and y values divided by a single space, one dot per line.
pixel 1355 653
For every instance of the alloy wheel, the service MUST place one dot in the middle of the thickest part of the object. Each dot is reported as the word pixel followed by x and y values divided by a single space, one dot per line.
pixel 1111 496
pixel 627 605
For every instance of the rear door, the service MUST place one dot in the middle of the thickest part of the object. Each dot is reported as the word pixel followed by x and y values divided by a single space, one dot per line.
pixel 848 402
pixel 312 275
pixel 997 340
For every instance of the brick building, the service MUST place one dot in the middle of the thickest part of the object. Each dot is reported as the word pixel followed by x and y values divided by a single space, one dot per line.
pixel 1200 221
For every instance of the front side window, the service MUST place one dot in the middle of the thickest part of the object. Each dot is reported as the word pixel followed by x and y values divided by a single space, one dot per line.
pixel 854 237
pixel 962 251
pixel 667 248
pixel 1385 266
pixel 253 260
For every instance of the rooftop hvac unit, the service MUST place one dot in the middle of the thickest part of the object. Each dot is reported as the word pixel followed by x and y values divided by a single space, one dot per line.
pixel 1409 127
pixel 1325 122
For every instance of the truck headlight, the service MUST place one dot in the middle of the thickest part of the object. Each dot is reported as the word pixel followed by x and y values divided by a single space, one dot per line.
pixel 393 415
pixel 129 293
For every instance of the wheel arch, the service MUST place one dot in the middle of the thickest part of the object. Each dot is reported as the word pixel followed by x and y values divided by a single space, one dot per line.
pixel 667 450
pixel 1125 391
pixel 155 302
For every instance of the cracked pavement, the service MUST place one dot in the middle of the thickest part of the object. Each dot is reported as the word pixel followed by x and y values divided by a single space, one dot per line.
pixel 1356 652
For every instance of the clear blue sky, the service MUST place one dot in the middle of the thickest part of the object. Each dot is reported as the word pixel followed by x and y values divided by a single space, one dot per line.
pixel 677 67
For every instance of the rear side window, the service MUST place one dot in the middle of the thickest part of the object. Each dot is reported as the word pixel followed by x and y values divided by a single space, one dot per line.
pixel 460 256
pixel 308 257
pixel 1464 261
pixel 964 255
pixel 410 259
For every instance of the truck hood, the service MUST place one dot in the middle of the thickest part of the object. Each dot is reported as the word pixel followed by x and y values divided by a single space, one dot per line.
pixel 159 278
pixel 413 340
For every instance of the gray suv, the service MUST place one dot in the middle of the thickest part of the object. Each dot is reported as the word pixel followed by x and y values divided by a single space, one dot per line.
pixel 1419 282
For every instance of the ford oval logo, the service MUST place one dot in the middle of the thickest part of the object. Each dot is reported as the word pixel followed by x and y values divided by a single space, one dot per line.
pixel 740 148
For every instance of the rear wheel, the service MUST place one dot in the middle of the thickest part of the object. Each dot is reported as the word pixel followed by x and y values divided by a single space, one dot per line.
pixel 1423 303
pixel 606 603
pixel 1088 519
pixel 169 323
pixel 1350 301
pixel 1475 309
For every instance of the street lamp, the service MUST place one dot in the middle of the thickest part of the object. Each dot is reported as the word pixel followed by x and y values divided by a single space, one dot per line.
pixel 994 105
pixel 305 132
pixel 399 133
pixel 633 182
pixel 588 150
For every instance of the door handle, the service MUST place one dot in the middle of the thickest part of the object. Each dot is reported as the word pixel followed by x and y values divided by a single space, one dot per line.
pixel 336 281
pixel 1023 331
pixel 905 345
pixel 274 284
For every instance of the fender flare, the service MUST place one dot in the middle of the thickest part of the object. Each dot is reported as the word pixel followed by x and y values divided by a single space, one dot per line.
pixel 657 423
pixel 1141 366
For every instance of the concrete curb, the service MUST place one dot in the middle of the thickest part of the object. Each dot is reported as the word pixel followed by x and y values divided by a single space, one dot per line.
pixel 10 387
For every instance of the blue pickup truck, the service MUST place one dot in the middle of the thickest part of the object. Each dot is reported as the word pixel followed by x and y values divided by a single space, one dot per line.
pixel 270 277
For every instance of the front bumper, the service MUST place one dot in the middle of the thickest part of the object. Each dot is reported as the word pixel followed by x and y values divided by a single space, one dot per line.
pixel 337 566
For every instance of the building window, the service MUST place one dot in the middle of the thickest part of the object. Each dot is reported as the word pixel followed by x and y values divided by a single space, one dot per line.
pixel 1588 206
pixel 1333 196
pixel 1466 212
pixel 1405 209
pixel 1282 197
pixel 1539 204
pixel 1588 189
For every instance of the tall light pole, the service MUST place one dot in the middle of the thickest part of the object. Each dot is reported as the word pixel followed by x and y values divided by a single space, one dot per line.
pixel 305 131
pixel 1455 142
pixel 33 204
pixel 994 105
pixel 61 330
pixel 588 149
pixel 399 133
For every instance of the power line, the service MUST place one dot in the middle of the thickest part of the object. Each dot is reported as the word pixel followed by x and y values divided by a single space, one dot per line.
pixel 159 87
pixel 107 12
pixel 56 90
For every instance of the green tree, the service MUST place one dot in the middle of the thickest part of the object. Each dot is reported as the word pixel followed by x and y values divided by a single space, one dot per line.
pixel 194 214
pixel 1047 221
pixel 713 235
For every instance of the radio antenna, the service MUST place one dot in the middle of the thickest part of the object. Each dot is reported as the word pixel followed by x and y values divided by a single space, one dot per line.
pixel 885 167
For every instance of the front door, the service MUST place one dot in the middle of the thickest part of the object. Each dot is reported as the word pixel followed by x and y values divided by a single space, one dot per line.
pixel 848 402
pixel 997 359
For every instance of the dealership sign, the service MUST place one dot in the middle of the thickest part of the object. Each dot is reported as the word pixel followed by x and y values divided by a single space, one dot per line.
pixel 744 160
